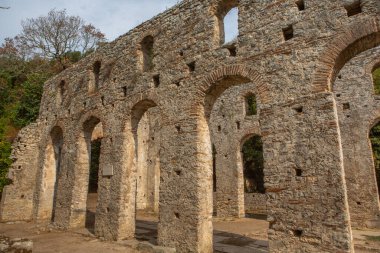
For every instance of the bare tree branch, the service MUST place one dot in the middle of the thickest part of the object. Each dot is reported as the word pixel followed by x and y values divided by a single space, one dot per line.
pixel 55 35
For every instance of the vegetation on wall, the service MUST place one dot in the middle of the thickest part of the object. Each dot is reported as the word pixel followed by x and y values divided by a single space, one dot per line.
pixel 26 62
pixel 376 80
pixel 374 134
pixel 251 105
pixel 253 161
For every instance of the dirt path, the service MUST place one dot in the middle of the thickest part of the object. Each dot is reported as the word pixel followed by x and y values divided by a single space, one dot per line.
pixel 230 236
pixel 45 241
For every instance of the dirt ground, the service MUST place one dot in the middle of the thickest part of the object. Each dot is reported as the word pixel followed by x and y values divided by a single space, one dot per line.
pixel 82 241
pixel 47 240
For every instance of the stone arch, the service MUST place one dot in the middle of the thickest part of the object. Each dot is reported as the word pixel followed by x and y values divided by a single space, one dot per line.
pixel 353 40
pixel 138 111
pixel 140 123
pixel 144 176
pixel 354 76
pixel 87 125
pixel 147 53
pixel 213 87
pixel 228 124
pixel 52 163
pixel 253 202
pixel 222 9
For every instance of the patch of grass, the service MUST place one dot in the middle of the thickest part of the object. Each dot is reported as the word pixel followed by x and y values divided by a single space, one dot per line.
pixel 372 238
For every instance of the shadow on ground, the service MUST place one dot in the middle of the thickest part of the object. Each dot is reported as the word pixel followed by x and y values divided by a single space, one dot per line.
pixel 223 242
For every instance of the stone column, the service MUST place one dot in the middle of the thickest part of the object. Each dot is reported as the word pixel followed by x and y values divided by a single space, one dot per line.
pixel 229 179
pixel 304 177
pixel 186 186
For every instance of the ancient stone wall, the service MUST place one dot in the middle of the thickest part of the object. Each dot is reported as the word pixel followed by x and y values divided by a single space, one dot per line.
pixel 288 54
pixel 358 111
pixel 230 127
pixel 18 198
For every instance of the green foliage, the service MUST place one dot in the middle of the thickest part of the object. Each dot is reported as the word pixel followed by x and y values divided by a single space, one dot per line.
pixel 251 105
pixel 5 162
pixel 28 106
pixel 374 136
pixel 373 238
pixel 253 160
pixel 376 80
pixel 22 75
pixel 73 57
pixel 21 83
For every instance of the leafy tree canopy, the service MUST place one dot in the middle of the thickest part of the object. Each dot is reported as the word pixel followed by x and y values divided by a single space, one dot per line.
pixel 45 47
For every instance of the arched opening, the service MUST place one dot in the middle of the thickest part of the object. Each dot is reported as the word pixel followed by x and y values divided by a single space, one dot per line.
pixel 94 140
pixel 352 73
pixel 374 136
pixel 94 79
pixel 50 172
pixel 228 168
pixel 89 161
pixel 376 79
pixel 147 53
pixel 359 38
pixel 253 163
pixel 145 129
pixel 252 155
pixel 96 71
pixel 228 22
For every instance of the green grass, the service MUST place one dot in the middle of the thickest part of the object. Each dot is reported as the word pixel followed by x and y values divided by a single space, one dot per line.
pixel 372 238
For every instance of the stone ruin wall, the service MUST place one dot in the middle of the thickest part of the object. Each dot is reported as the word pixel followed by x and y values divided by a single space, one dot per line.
pixel 311 176
pixel 22 173
pixel 358 111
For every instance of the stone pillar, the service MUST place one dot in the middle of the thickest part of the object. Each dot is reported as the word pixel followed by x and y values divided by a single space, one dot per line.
pixel 360 174
pixel 80 185
pixel 115 217
pixel 304 177
pixel 66 178
pixel 358 109
pixel 229 179
pixel 143 165
pixel 186 186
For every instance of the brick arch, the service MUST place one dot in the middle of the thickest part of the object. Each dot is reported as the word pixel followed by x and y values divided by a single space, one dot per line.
pixel 242 71
pixel 140 102
pixel 353 40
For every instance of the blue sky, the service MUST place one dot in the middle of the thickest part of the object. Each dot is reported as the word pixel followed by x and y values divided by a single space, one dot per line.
pixel 112 17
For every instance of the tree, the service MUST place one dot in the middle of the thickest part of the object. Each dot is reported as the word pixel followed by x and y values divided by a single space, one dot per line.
pixel 8 49
pixel 55 35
